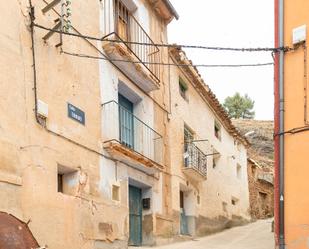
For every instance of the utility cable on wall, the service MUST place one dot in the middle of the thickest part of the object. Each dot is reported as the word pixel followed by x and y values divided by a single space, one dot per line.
pixel 293 131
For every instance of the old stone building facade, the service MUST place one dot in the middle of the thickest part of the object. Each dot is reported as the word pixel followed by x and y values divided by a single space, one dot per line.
pixel 92 135
pixel 261 190
pixel 209 160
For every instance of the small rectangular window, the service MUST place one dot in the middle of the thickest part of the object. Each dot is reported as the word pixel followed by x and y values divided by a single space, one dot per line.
pixel 234 201
pixel 215 158
pixel 67 180
pixel 60 183
pixel 238 171
pixel 214 162
pixel 263 196
pixel 217 130
pixel 183 89
pixel 115 193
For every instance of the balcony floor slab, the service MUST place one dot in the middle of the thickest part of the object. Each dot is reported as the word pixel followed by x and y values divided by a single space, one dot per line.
pixel 194 174
pixel 137 72
pixel 124 154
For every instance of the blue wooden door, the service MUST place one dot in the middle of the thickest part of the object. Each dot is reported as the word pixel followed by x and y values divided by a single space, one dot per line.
pixel 135 218
pixel 183 223
pixel 126 122
pixel 183 218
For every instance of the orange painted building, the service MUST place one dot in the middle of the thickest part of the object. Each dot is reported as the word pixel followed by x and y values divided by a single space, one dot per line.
pixel 291 125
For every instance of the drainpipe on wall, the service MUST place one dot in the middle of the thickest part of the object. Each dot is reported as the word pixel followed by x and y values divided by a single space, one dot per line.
pixel 279 123
pixel 281 126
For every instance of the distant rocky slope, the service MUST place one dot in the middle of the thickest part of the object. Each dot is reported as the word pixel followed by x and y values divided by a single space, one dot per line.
pixel 260 135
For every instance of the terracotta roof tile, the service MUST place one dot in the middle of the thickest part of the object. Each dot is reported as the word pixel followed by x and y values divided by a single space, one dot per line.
pixel 180 58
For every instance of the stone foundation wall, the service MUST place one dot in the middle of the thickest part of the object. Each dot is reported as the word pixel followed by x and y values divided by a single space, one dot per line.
pixel 206 226
pixel 261 194
pixel 168 230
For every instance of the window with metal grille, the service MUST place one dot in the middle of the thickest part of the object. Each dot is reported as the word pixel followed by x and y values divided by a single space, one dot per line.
pixel 121 20
pixel 188 138
pixel 188 135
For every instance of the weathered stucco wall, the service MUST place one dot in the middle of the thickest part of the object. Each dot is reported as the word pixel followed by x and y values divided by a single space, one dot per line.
pixel 149 108
pixel 30 155
pixel 222 182
pixel 296 170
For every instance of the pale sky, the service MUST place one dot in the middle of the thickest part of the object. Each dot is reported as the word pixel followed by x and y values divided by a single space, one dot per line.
pixel 230 23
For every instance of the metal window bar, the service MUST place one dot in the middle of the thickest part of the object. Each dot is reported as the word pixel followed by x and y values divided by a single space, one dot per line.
pixel 125 27
pixel 196 159
pixel 120 125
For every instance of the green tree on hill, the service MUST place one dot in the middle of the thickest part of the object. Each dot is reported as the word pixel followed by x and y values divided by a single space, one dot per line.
pixel 238 106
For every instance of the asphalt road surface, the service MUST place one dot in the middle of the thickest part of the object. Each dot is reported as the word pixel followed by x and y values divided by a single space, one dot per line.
pixel 256 235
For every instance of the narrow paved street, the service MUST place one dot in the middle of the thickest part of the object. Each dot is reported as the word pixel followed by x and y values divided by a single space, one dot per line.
pixel 257 235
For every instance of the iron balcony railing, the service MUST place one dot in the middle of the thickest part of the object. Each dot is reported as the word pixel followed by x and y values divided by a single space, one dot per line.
pixel 195 158
pixel 122 126
pixel 120 24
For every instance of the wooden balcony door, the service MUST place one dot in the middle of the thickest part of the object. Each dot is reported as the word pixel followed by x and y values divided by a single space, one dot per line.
pixel 126 122
pixel 188 138
pixel 122 20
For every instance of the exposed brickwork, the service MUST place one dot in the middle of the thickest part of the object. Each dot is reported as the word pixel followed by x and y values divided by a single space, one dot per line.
pixel 261 191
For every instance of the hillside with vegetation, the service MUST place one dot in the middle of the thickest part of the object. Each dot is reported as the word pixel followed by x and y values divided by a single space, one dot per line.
pixel 260 135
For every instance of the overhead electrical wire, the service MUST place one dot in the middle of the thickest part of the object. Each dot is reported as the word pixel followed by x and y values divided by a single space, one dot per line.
pixel 293 131
pixel 144 62
pixel 265 49
pixel 198 46
pixel 159 45
pixel 166 64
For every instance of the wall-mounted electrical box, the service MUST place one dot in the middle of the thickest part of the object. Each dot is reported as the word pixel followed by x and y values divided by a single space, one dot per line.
pixel 146 203
pixel 299 34
pixel 42 109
